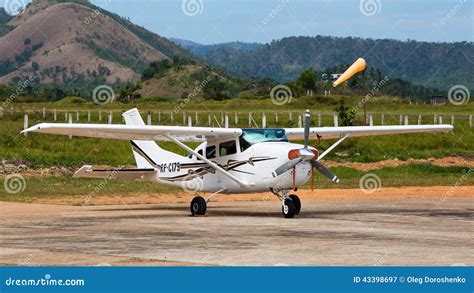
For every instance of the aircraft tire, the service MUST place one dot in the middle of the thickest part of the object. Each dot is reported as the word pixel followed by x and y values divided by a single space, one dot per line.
pixel 198 206
pixel 288 208
pixel 296 200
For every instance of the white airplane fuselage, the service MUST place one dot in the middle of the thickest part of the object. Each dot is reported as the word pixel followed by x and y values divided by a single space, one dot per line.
pixel 254 166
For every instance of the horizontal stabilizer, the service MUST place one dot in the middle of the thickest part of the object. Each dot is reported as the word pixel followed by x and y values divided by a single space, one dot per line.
pixel 115 173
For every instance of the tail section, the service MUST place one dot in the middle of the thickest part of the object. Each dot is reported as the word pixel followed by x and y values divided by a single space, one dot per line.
pixel 147 153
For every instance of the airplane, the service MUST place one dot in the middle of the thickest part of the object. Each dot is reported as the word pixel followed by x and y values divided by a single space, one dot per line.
pixel 228 160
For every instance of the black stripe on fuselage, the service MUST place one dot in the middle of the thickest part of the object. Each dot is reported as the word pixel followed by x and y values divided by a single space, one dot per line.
pixel 136 148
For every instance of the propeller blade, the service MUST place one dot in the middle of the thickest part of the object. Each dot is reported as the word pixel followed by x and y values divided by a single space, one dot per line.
pixel 325 171
pixel 307 122
pixel 285 167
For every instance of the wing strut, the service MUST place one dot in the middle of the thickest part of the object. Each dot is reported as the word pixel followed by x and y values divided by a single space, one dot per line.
pixel 210 163
pixel 333 146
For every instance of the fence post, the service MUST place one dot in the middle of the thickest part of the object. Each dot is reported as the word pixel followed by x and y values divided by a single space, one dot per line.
pixel 65 115
pixel 1 112
pixel 88 116
pixel 250 119
pixel 276 117
pixel 452 119
pixel 184 118
pixel 25 123
pixel 371 120
pixel 264 120
pixel 159 117
pixel 290 116
pixel 148 118
pixel 382 119
pixel 236 119
pixel 171 116
pixel 226 124
pixel 336 122
pixel 435 119
pixel 319 119
pixel 100 116
pixel 110 117
pixel 419 119
pixel 44 113
pixel 70 122
pixel 209 119
pixel 401 119
pixel 77 115
pixel 196 118
pixel 190 121
pixel 440 119
pixel 470 120
pixel 55 116
pixel 300 124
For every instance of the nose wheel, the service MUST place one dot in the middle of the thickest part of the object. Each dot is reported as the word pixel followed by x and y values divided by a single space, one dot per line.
pixel 291 206
pixel 198 206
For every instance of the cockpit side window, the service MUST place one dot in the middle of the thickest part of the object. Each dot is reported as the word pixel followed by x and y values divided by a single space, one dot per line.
pixel 201 153
pixel 227 148
pixel 211 152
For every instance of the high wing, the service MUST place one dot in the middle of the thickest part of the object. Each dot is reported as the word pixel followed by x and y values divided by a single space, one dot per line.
pixel 88 171
pixel 136 132
pixel 336 132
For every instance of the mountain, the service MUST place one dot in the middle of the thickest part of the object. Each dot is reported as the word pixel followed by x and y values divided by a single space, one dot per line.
pixel 64 42
pixel 203 50
pixel 437 65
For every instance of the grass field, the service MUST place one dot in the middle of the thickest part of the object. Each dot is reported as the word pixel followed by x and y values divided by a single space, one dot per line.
pixel 38 150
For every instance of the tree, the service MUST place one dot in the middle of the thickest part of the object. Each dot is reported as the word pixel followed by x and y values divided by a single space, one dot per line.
pixel 347 117
pixel 307 80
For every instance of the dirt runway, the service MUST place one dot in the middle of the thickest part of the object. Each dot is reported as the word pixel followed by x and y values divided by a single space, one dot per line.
pixel 395 226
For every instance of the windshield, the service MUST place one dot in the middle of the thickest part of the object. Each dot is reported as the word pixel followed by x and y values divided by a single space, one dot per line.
pixel 255 135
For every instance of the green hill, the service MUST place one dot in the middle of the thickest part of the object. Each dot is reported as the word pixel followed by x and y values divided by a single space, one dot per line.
pixel 436 65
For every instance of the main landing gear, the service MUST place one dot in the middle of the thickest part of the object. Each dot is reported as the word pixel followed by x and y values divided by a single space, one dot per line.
pixel 198 206
pixel 290 204
pixel 199 203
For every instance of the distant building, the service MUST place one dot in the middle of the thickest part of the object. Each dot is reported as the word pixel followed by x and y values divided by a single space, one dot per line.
pixel 331 77
pixel 438 100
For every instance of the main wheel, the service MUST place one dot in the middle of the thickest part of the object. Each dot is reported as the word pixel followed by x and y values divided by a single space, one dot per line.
pixel 296 200
pixel 198 206
pixel 288 208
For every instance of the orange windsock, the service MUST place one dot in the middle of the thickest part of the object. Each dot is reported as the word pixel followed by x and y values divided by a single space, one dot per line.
pixel 358 66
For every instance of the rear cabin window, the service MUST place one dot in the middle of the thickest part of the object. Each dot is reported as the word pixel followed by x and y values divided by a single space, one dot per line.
pixel 227 148
pixel 211 152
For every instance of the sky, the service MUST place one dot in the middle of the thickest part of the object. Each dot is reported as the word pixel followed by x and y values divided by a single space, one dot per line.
pixel 218 21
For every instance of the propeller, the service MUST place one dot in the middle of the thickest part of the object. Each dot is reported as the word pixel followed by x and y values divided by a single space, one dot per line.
pixel 305 154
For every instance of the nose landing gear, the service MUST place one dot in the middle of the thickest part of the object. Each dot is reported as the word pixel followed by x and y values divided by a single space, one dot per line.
pixel 290 204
